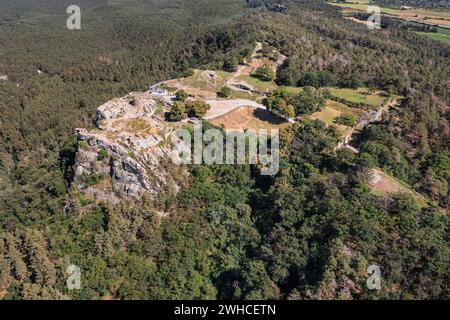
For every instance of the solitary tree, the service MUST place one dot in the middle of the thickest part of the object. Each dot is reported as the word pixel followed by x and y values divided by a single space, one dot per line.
pixel 197 108
pixel 264 73
pixel 288 111
pixel 347 119
pixel 178 111
pixel 224 92
pixel 308 101
pixel 181 95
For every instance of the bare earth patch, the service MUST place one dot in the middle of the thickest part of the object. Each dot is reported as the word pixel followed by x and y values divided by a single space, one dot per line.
pixel 250 118
pixel 221 107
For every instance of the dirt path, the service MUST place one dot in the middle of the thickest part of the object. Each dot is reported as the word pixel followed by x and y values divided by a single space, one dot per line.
pixel 372 117
pixel 246 69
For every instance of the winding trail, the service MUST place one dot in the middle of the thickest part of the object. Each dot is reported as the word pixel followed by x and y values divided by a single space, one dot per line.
pixel 371 117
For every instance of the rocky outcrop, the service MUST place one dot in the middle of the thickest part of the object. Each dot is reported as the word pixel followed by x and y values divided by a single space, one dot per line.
pixel 128 153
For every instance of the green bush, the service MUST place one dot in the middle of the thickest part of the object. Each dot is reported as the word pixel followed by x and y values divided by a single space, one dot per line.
pixel 102 154
pixel 264 73
pixel 92 179
pixel 224 92
pixel 83 144
pixel 347 119
pixel 181 95
pixel 187 73
pixel 178 111
pixel 197 108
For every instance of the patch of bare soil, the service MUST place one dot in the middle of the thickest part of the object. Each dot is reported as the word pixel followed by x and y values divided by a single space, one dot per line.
pixel 249 118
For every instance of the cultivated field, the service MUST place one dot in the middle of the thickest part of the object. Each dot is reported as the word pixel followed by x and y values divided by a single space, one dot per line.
pixel 438 18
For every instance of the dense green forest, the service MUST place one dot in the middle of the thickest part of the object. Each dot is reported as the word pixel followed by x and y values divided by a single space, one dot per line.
pixel 307 233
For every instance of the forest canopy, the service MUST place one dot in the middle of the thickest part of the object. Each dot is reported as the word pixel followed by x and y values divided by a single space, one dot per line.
pixel 310 232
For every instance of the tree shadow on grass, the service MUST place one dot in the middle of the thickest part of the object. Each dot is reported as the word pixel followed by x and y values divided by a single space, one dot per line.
pixel 268 116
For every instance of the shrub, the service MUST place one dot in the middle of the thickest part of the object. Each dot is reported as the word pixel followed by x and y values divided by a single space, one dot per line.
pixel 92 179
pixel 230 64
pixel 181 95
pixel 197 108
pixel 347 119
pixel 102 154
pixel 178 111
pixel 187 73
pixel 83 144
pixel 224 92
pixel 264 73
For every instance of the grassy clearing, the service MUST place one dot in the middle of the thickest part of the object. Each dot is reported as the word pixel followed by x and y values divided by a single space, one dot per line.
pixel 291 90
pixel 225 75
pixel 333 110
pixel 201 82
pixel 326 115
pixel 141 127
pixel 361 1
pixel 387 184
pixel 441 34
pixel 362 6
pixel 258 84
pixel 360 95
pixel 236 94
pixel 436 36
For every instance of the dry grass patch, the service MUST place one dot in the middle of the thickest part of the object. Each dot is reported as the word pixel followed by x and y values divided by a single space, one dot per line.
pixel 416 14
pixel 333 110
pixel 112 135
pixel 141 127
pixel 203 83
pixel 382 184
pixel 327 114
pixel 250 118
pixel 116 124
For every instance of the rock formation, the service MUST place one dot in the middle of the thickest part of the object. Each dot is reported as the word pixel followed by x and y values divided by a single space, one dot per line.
pixel 128 153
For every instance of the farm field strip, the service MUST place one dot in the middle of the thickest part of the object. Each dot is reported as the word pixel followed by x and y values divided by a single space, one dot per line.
pixel 424 16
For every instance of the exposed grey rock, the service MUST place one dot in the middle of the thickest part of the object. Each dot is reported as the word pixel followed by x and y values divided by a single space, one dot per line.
pixel 136 143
